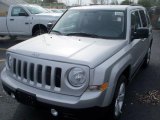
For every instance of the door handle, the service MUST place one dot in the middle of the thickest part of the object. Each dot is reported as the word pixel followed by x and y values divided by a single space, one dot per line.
pixel 26 23
pixel 11 19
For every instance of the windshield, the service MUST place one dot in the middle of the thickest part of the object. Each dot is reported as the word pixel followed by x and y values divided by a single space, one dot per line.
pixel 92 23
pixel 36 9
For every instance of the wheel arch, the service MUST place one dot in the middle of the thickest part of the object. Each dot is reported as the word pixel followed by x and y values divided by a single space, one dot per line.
pixel 123 67
pixel 151 42
pixel 38 26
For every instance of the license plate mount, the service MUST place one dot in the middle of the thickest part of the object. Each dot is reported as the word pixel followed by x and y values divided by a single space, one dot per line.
pixel 26 97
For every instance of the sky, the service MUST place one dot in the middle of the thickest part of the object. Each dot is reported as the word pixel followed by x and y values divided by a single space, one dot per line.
pixel 83 1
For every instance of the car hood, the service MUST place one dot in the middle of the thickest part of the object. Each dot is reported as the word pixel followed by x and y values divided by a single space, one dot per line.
pixel 78 50
pixel 57 14
pixel 49 15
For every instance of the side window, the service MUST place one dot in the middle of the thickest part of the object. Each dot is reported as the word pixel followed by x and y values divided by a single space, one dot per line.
pixel 143 18
pixel 16 11
pixel 135 22
pixel 148 20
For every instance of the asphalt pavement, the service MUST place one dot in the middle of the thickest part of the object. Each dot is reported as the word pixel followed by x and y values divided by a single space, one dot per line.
pixel 142 99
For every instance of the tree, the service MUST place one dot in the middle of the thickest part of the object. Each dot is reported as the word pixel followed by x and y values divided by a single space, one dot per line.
pixel 102 1
pixel 95 1
pixel 155 2
pixel 126 2
pixel 36 1
pixel 114 2
pixel 50 1
pixel 145 3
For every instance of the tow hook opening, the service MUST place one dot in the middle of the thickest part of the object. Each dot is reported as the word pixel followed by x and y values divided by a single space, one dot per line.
pixel 54 112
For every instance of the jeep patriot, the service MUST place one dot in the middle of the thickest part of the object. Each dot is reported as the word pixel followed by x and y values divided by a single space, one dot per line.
pixel 86 61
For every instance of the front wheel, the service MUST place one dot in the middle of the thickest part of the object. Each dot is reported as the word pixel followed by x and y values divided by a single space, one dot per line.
pixel 13 37
pixel 119 96
pixel 39 32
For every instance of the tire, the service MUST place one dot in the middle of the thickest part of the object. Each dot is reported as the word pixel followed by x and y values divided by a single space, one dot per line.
pixel 39 32
pixel 147 58
pixel 118 99
pixel 13 37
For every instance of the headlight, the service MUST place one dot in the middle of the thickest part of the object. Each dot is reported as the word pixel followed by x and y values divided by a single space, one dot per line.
pixel 9 61
pixel 77 77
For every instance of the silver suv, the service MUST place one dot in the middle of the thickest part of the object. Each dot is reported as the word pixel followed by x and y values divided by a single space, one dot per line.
pixel 86 61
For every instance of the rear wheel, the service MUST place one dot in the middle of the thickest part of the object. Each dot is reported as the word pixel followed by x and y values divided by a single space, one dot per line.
pixel 147 58
pixel 119 96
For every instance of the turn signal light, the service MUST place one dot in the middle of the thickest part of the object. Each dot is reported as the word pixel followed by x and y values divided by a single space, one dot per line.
pixel 102 87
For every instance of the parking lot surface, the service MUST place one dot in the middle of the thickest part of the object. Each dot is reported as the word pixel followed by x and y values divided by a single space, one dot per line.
pixel 142 99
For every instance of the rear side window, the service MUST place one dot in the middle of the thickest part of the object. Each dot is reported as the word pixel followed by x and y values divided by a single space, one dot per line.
pixel 135 21
pixel 143 18
pixel 148 19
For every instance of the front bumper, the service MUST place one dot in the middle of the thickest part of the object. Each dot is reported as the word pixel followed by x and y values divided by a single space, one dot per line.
pixel 70 112
pixel 89 99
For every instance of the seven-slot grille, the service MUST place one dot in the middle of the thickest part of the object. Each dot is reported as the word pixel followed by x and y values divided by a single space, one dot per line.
pixel 37 74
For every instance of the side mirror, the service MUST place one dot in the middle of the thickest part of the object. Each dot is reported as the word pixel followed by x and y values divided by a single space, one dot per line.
pixel 23 14
pixel 49 26
pixel 141 33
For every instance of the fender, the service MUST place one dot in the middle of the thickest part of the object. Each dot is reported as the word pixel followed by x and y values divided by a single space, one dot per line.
pixel 116 72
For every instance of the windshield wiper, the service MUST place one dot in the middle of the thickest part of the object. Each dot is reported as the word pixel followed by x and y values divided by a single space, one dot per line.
pixel 57 32
pixel 84 34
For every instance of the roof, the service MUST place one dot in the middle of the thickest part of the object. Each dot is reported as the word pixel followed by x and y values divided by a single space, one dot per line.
pixel 106 7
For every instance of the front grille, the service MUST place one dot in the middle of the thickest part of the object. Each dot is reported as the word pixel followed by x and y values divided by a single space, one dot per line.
pixel 58 72
pixel 25 70
pixel 31 71
pixel 44 75
pixel 37 74
pixel 19 68
pixel 48 75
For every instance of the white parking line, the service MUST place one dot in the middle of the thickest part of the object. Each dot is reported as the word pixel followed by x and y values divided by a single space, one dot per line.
pixel 2 60
pixel 3 49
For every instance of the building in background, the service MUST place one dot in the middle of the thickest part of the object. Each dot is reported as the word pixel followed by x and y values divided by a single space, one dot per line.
pixel 11 2
pixel 4 5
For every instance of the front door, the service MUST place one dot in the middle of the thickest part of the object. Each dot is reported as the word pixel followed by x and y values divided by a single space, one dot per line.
pixel 18 22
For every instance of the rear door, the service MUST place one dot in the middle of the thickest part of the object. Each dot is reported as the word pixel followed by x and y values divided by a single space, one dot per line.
pixel 136 44
pixel 18 22
pixel 145 24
